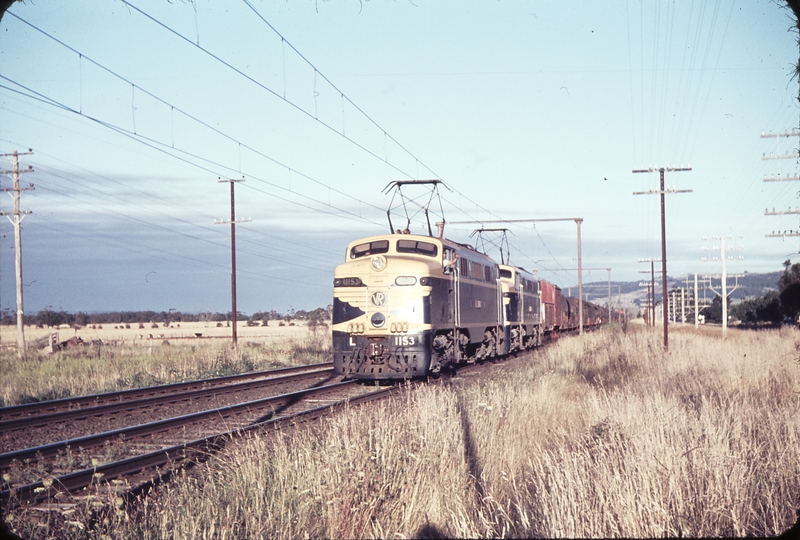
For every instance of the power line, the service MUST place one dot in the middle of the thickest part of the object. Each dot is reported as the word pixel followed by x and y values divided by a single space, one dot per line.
pixel 264 87
pixel 283 40
pixel 181 111
pixel 136 135
pixel 163 148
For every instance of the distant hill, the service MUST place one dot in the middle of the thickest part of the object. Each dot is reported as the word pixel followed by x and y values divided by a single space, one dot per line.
pixel 629 293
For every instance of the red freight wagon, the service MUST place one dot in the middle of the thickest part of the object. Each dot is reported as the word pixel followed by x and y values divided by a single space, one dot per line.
pixel 551 298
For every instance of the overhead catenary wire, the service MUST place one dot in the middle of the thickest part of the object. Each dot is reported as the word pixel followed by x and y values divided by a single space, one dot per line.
pixel 134 134
pixel 264 87
pixel 174 108
pixel 165 149
pixel 317 71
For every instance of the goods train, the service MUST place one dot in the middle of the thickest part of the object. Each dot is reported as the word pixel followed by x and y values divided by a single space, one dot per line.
pixel 407 306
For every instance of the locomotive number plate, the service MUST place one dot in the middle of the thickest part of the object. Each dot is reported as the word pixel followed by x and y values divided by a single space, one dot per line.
pixel 405 340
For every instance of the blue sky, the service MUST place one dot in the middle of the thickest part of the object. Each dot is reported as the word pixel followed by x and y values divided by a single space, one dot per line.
pixel 524 109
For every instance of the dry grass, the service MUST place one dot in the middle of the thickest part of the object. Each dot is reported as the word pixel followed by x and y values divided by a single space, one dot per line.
pixel 93 369
pixel 603 435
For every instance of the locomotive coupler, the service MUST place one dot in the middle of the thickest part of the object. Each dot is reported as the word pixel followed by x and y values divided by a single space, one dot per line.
pixel 376 351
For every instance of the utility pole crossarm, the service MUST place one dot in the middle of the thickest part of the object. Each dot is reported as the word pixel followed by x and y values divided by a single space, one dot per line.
pixel 667 191
pixel 774 178
pixel 786 133
pixel 784 156
pixel 781 213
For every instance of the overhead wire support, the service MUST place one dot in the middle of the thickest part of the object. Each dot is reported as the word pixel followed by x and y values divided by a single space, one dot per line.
pixel 662 192
pixel 233 221
pixel 16 217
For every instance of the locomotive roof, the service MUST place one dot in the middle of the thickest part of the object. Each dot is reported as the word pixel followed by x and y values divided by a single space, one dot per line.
pixel 419 237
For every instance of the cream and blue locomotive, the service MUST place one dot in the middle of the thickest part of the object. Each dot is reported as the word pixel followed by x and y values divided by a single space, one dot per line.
pixel 522 309
pixel 408 305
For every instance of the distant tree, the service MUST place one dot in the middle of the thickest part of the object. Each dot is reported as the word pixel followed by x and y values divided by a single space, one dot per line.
pixel 713 313
pixel 789 287
pixel 81 319
pixel 321 313
pixel 765 309
pixel 50 318
pixel 316 322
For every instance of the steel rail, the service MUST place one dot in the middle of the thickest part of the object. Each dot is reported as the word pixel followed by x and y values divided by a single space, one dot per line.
pixel 54 405
pixel 167 399
pixel 34 454
pixel 38 492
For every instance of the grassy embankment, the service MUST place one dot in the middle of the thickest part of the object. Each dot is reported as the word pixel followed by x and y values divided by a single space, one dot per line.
pixel 602 435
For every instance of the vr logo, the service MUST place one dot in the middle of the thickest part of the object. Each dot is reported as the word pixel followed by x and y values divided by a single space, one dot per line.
pixel 378 298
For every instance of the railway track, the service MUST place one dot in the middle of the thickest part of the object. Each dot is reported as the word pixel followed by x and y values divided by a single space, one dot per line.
pixel 36 424
pixel 38 408
pixel 127 460
pixel 145 467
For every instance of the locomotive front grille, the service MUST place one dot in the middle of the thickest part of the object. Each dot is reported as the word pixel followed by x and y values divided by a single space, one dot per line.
pixel 379 357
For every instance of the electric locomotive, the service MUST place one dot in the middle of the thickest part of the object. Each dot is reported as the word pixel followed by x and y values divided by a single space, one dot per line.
pixel 408 305
pixel 522 312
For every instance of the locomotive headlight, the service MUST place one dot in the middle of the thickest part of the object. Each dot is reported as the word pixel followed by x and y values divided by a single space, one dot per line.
pixel 378 263
pixel 405 280
pixel 424 281
pixel 378 319
pixel 393 328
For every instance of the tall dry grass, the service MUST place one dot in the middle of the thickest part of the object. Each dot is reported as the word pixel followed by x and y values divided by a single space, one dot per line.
pixel 602 435
pixel 93 369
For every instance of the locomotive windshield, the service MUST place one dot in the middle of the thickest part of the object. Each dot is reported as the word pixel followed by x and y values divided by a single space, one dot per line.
pixel 415 246
pixel 369 248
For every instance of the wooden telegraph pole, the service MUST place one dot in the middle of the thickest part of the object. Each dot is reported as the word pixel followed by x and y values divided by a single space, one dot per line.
pixel 233 223
pixel 15 218
pixel 662 192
